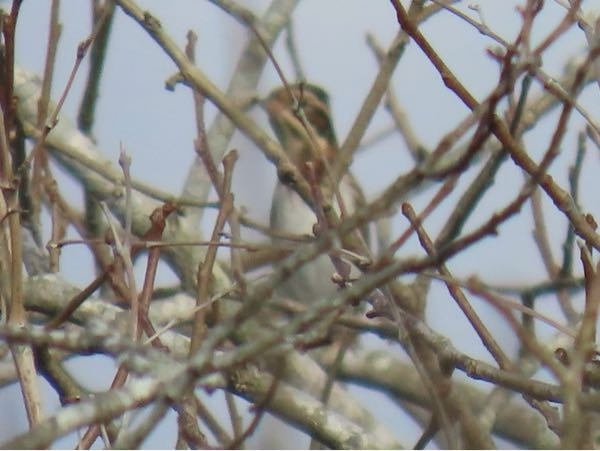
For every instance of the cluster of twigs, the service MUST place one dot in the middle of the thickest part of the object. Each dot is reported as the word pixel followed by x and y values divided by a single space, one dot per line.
pixel 224 329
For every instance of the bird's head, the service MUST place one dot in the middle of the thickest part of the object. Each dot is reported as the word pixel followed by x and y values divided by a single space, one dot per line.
pixel 285 115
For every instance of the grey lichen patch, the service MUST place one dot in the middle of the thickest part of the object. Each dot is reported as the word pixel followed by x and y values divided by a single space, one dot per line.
pixel 333 431
pixel 247 380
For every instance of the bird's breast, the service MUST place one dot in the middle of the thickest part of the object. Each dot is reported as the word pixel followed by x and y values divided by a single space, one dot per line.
pixel 291 215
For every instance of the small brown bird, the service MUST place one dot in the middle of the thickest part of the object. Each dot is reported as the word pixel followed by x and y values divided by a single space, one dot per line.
pixel 289 213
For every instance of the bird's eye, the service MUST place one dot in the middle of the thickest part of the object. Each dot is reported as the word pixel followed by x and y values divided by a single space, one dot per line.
pixel 318 120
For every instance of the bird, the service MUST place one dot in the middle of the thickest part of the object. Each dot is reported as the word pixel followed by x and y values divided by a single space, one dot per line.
pixel 290 214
